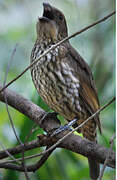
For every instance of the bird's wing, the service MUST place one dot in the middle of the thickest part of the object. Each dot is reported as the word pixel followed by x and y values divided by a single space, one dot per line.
pixel 88 91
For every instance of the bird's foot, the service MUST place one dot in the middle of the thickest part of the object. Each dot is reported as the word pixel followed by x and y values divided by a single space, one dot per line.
pixel 64 128
pixel 49 115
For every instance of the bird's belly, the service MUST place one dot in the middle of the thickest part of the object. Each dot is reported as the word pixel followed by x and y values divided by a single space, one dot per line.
pixel 58 89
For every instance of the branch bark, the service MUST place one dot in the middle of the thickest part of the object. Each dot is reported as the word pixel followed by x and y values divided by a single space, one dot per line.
pixel 73 142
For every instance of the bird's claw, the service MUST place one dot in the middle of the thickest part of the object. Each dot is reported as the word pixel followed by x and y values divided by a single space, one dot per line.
pixel 65 127
pixel 60 129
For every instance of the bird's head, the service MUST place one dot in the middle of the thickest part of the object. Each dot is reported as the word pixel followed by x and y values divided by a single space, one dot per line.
pixel 46 29
pixel 52 23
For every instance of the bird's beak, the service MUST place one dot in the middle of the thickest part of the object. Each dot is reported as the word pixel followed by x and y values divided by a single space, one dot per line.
pixel 47 11
pixel 47 7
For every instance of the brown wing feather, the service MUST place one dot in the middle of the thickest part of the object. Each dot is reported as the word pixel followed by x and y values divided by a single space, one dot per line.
pixel 90 101
pixel 88 90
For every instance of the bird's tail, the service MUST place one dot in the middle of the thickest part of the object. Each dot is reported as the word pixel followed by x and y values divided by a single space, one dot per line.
pixel 89 132
pixel 94 168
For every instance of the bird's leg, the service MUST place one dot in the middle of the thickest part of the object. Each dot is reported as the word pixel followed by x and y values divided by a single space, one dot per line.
pixel 65 127
pixel 49 122
pixel 49 115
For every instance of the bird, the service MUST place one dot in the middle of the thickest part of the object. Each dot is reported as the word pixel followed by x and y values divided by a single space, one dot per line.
pixel 63 79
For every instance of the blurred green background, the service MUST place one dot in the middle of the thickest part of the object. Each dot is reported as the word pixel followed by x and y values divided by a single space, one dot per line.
pixel 97 46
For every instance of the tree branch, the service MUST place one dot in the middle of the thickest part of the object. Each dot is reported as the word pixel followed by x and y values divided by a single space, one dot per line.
pixel 73 142
pixel 28 146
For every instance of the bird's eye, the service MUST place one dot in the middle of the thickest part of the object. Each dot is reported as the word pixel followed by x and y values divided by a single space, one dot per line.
pixel 60 17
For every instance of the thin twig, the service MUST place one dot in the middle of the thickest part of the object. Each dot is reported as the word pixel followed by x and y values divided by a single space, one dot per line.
pixel 60 140
pixel 9 63
pixel 6 74
pixel 57 44
pixel 40 163
pixel 7 152
pixel 11 121
pixel 7 70
pixel 107 158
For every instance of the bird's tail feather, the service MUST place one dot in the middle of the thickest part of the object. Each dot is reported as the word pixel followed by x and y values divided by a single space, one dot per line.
pixel 94 168
pixel 89 132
